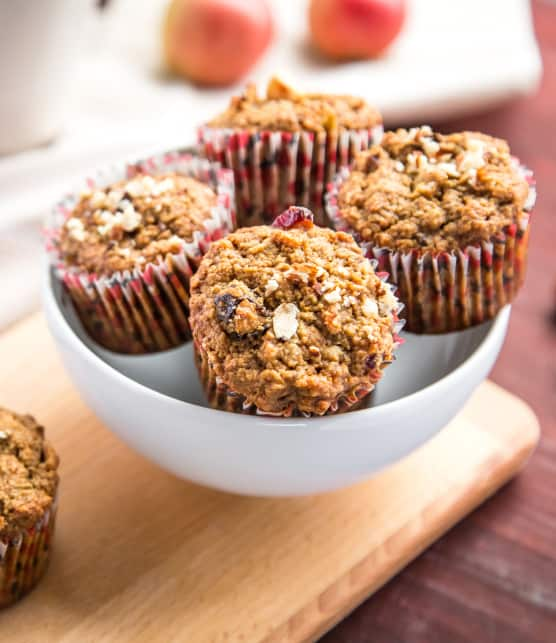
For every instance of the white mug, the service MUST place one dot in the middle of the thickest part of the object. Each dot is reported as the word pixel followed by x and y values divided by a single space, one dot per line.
pixel 39 43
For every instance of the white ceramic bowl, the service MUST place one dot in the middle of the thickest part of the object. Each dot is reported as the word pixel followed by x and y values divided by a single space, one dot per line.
pixel 155 404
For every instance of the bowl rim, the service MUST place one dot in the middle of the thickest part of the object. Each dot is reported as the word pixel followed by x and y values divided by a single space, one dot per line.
pixel 499 324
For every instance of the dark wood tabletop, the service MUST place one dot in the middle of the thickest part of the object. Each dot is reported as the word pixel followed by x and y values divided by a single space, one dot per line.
pixel 493 577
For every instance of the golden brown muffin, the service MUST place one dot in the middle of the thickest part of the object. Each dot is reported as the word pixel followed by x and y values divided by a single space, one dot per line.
pixel 126 248
pixel 285 146
pixel 446 215
pixel 291 318
pixel 28 487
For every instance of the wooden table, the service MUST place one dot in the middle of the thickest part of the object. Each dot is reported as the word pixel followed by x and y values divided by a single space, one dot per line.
pixel 493 577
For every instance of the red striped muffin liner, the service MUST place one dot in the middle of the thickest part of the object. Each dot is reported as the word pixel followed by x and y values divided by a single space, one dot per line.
pixel 450 291
pixel 24 558
pixel 146 309
pixel 274 170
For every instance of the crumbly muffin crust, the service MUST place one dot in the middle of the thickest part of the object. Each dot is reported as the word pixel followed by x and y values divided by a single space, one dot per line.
pixel 292 318
pixel 284 109
pixel 436 192
pixel 28 473
pixel 134 222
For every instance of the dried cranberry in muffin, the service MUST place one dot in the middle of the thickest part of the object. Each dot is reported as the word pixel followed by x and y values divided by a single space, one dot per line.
pixel 240 311
pixel 294 217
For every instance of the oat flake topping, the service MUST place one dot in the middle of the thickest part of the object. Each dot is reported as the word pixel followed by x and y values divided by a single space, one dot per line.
pixel 134 221
pixel 422 189
pixel 284 321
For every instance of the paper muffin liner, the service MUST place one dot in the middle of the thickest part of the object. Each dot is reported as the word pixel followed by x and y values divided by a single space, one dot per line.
pixel 24 558
pixel 276 169
pixel 450 291
pixel 146 309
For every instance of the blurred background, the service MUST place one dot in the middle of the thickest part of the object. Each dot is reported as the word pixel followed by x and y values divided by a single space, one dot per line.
pixel 85 83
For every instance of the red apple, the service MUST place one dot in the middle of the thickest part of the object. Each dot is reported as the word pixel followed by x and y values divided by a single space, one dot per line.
pixel 215 42
pixel 352 29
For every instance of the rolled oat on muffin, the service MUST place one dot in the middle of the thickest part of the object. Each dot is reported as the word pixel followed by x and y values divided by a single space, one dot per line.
pixel 447 216
pixel 28 488
pixel 127 245
pixel 286 146
pixel 291 319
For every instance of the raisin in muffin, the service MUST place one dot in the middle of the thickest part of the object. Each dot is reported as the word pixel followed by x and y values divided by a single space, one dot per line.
pixel 447 215
pixel 290 319
pixel 28 486
pixel 126 251
pixel 284 147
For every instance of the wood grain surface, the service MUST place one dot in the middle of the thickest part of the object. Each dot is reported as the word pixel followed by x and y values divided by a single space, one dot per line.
pixel 141 556
pixel 492 579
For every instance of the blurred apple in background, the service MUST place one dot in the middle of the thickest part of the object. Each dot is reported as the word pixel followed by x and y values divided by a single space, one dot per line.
pixel 355 29
pixel 216 42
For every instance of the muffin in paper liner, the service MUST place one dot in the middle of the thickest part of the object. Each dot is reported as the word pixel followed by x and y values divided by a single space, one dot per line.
pixel 28 501
pixel 24 557
pixel 145 309
pixel 276 169
pixel 285 146
pixel 445 291
pixel 246 324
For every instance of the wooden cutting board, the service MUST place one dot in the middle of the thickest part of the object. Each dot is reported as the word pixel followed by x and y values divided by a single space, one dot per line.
pixel 143 556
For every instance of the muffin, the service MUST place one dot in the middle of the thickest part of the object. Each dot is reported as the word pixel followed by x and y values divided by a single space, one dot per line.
pixel 28 486
pixel 285 147
pixel 291 319
pixel 127 245
pixel 447 216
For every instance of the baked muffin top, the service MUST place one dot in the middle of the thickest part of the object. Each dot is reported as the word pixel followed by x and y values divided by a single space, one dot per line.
pixel 28 473
pixel 284 109
pixel 292 319
pixel 133 222
pixel 440 192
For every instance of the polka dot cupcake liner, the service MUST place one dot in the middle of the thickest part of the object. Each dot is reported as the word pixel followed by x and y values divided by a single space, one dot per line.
pixel 146 309
pixel 274 170
pixel 450 291
pixel 24 557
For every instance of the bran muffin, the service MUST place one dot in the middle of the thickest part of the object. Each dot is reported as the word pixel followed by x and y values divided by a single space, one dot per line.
pixel 126 248
pixel 286 146
pixel 28 486
pixel 291 319
pixel 447 216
